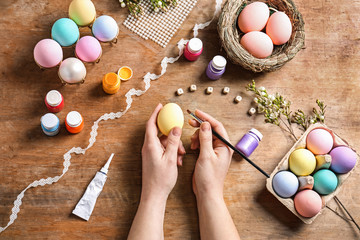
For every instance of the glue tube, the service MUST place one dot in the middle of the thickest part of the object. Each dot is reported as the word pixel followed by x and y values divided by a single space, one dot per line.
pixel 86 204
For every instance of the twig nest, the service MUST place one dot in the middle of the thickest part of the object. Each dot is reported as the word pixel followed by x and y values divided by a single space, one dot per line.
pixel 230 36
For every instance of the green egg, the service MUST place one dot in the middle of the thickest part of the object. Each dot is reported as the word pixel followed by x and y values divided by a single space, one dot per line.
pixel 325 181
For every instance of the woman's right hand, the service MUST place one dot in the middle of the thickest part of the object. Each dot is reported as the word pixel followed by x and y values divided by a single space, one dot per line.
pixel 214 158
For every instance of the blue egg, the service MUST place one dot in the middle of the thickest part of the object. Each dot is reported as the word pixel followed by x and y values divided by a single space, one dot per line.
pixel 65 32
pixel 325 181
pixel 105 28
pixel 285 184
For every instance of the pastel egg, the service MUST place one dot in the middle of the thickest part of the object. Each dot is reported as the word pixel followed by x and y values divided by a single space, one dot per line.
pixel 307 203
pixel 325 181
pixel 82 12
pixel 319 141
pixel 65 32
pixel 170 116
pixel 257 44
pixel 302 162
pixel 48 53
pixel 279 28
pixel 343 159
pixel 105 28
pixel 253 17
pixel 285 184
pixel 88 49
pixel 72 70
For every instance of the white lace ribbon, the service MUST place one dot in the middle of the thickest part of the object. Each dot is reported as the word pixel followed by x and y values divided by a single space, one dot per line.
pixel 132 92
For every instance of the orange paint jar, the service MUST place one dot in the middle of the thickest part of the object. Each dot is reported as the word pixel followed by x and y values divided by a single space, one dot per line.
pixel 74 122
pixel 111 83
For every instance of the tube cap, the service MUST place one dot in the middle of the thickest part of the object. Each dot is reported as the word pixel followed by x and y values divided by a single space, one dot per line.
pixel 73 119
pixel 219 62
pixel 257 133
pixel 53 98
pixel 195 45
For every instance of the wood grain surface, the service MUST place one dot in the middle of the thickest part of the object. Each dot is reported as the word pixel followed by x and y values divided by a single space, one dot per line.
pixel 328 69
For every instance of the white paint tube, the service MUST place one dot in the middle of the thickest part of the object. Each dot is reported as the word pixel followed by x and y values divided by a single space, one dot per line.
pixel 86 204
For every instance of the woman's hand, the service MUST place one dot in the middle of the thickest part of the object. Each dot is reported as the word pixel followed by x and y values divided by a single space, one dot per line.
pixel 214 158
pixel 160 157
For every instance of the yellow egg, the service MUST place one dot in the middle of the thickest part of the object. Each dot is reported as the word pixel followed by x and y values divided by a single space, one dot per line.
pixel 170 116
pixel 82 12
pixel 302 162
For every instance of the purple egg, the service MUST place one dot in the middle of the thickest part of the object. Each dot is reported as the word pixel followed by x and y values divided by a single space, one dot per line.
pixel 343 159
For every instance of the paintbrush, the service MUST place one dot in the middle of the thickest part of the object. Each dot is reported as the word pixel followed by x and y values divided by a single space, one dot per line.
pixel 229 144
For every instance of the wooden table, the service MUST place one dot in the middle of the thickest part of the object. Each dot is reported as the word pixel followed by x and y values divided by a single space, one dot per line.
pixel 327 69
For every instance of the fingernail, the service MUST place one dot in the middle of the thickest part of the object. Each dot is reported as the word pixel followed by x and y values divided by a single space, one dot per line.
pixel 205 126
pixel 176 131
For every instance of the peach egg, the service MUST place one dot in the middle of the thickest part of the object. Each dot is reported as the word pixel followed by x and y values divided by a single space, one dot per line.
pixel 279 28
pixel 253 17
pixel 257 44
pixel 307 203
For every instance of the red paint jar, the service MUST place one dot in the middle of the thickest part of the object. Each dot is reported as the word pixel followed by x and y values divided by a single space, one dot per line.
pixel 193 49
pixel 74 122
pixel 54 101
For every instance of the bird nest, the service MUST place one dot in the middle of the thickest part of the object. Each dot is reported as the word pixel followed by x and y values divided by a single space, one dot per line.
pixel 230 36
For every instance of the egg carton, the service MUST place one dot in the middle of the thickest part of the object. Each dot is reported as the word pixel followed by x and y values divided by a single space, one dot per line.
pixel 159 26
pixel 284 165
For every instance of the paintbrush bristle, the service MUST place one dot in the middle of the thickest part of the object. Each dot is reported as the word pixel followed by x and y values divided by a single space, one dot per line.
pixel 189 111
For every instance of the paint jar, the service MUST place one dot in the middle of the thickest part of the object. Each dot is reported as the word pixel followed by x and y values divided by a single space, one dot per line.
pixel 54 101
pixel 249 142
pixel 74 122
pixel 193 49
pixel 111 83
pixel 216 67
pixel 50 124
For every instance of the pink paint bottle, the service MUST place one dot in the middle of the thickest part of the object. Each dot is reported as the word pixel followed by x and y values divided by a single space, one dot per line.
pixel 193 49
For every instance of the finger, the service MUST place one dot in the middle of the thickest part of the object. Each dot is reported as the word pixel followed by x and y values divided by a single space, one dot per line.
pixel 180 160
pixel 195 144
pixel 151 127
pixel 181 149
pixel 194 123
pixel 205 137
pixel 164 142
pixel 173 141
pixel 215 124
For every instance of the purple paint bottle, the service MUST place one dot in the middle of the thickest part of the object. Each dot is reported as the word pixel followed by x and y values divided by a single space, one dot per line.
pixel 249 142
pixel 216 67
pixel 193 49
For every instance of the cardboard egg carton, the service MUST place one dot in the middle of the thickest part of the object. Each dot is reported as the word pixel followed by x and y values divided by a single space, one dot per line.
pixel 284 165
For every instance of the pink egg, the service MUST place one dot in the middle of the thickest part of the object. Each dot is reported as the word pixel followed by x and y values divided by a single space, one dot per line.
pixel 48 53
pixel 257 44
pixel 279 28
pixel 307 203
pixel 319 141
pixel 343 159
pixel 88 49
pixel 253 17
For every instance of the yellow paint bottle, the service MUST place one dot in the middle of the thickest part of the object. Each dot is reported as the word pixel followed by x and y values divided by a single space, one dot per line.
pixel 111 83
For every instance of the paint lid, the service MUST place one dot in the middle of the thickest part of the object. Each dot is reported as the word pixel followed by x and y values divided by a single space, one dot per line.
pixel 195 45
pixel 50 121
pixel 53 98
pixel 125 73
pixel 73 119
pixel 219 62
pixel 257 133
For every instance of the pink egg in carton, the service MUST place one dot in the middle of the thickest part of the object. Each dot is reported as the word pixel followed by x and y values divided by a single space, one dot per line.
pixel 284 165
